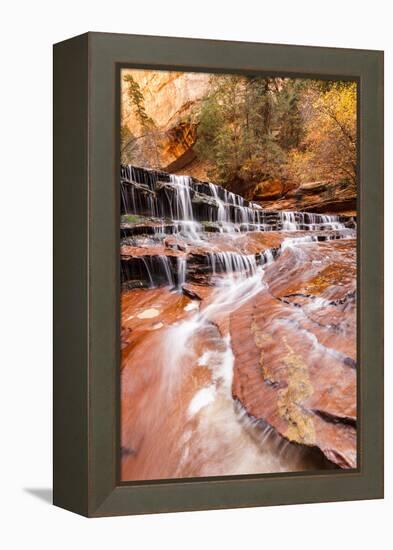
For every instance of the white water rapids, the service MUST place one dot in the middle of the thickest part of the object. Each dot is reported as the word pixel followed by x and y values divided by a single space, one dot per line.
pixel 211 434
pixel 221 439
pixel 205 432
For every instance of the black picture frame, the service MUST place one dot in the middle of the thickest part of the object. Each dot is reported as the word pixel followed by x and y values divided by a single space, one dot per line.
pixel 86 274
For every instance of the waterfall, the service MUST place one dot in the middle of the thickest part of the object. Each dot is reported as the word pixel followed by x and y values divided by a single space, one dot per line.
pixel 232 264
pixel 208 287
pixel 267 257
pixel 154 270
pixel 183 206
pixel 192 211
pixel 182 188
pixel 181 271
pixel 189 204
pixel 222 211
pixel 167 268
pixel 148 271
pixel 305 221
pixel 288 221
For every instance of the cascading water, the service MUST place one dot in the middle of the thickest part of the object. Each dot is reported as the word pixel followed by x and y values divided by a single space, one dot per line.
pixel 304 221
pixel 222 211
pixel 183 211
pixel 181 271
pixel 232 264
pixel 288 221
pixel 167 270
pixel 178 205
pixel 195 239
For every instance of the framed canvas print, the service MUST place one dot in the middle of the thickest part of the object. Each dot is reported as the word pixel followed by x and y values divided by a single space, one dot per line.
pixel 218 260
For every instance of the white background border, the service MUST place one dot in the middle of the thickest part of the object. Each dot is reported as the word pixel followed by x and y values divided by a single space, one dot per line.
pixel 27 33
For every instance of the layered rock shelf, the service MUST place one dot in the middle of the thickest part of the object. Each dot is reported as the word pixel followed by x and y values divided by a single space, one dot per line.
pixel 155 195
pixel 326 196
pixel 245 321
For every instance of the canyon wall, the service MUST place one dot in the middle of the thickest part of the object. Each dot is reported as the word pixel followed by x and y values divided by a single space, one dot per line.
pixel 172 100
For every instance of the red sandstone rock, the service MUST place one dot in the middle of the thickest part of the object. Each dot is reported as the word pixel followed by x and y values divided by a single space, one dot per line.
pixel 320 197
pixel 268 190
pixel 295 352
pixel 294 343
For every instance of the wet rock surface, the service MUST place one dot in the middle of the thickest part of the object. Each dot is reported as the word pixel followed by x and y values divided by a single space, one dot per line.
pixel 295 352
pixel 239 326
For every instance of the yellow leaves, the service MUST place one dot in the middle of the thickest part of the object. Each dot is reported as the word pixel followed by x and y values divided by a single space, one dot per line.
pixel 329 146
pixel 336 111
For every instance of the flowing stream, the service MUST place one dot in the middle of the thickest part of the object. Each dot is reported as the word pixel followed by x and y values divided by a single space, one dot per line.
pixel 179 418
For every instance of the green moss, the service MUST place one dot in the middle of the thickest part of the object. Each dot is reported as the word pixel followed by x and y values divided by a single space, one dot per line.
pixel 131 218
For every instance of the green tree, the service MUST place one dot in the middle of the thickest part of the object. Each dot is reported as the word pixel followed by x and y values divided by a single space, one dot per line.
pixel 136 99
pixel 290 121
pixel 144 148
pixel 236 130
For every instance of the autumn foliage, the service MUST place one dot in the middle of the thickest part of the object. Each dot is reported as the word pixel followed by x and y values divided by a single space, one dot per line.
pixel 255 132
pixel 328 150
pixel 264 129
